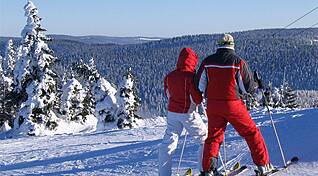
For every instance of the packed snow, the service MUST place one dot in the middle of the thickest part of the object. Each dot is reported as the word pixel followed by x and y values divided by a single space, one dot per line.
pixel 135 151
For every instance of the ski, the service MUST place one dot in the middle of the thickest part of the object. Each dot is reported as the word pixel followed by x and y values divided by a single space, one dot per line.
pixel 235 170
pixel 188 172
pixel 290 162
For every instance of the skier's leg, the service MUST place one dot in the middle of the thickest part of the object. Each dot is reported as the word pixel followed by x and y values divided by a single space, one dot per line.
pixel 169 143
pixel 241 120
pixel 216 128
pixel 197 129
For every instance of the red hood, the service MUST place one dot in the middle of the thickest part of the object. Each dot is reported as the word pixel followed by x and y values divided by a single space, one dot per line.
pixel 187 60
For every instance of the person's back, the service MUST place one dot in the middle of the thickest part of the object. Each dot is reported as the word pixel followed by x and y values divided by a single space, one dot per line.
pixel 179 84
pixel 226 74
pixel 184 98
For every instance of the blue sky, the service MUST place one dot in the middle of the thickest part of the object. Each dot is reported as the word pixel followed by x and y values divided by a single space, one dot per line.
pixel 162 18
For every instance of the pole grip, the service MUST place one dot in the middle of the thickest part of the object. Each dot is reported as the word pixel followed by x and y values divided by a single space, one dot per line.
pixel 258 80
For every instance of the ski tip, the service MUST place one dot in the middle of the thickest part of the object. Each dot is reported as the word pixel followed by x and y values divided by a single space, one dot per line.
pixel 236 166
pixel 294 159
pixel 188 172
pixel 243 167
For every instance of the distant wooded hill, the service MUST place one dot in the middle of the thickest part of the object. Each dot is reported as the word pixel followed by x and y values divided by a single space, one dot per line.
pixel 295 50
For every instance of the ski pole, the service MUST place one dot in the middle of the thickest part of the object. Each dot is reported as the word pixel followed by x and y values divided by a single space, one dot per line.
pixel 221 159
pixel 274 127
pixel 222 162
pixel 224 153
pixel 258 79
pixel 185 139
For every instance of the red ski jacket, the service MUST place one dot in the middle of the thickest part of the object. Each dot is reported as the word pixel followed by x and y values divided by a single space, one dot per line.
pixel 225 76
pixel 179 84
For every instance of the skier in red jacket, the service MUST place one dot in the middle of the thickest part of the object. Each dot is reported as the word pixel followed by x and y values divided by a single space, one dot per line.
pixel 224 77
pixel 184 98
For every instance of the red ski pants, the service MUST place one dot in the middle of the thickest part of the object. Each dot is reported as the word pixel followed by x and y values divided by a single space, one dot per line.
pixel 219 114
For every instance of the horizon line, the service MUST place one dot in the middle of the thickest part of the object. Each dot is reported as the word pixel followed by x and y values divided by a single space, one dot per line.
pixel 182 35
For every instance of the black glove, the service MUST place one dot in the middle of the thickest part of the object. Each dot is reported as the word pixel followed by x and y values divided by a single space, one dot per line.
pixel 257 79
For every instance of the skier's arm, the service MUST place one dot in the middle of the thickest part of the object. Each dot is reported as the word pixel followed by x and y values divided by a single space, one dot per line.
pixel 201 78
pixel 247 77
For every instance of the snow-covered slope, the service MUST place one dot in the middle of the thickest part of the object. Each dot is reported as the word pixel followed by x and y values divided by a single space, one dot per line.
pixel 134 152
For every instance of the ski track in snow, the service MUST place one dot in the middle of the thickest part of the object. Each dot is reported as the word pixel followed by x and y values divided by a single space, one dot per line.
pixel 135 151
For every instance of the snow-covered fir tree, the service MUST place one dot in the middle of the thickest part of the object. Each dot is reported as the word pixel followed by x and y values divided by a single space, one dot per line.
pixel 4 117
pixel 7 67
pixel 100 91
pixel 86 76
pixel 9 98
pixel 128 101
pixel 9 60
pixel 88 102
pixel 105 96
pixel 289 96
pixel 283 96
pixel 277 99
pixel 5 108
pixel 36 113
pixel 72 101
pixel 106 103
pixel 20 72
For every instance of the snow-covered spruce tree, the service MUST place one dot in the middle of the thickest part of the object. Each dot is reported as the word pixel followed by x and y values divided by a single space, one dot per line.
pixel 128 101
pixel 36 114
pixel 7 67
pixel 9 60
pixel 5 109
pixel 21 75
pixel 100 95
pixel 5 117
pixel 88 102
pixel 86 76
pixel 106 103
pixel 283 97
pixel 289 96
pixel 105 97
pixel 72 101
pixel 20 71
pixel 277 98
pixel 8 98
